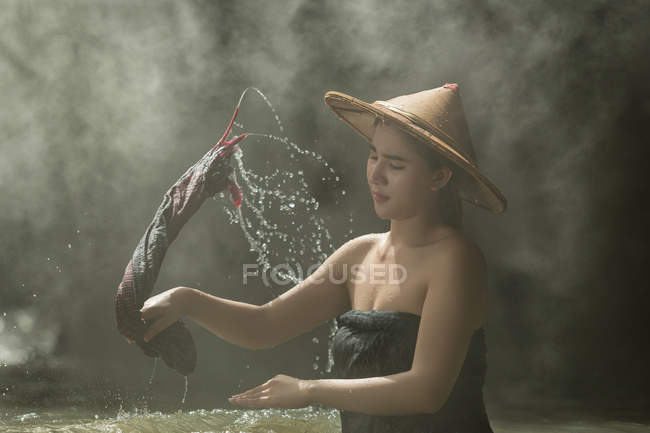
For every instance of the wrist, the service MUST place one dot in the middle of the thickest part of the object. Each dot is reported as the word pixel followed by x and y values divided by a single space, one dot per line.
pixel 310 389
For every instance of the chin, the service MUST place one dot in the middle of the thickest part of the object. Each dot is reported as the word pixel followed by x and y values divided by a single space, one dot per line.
pixel 382 213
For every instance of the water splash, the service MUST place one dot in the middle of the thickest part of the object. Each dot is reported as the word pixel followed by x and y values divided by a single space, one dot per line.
pixel 275 201
pixel 185 393
pixel 279 216
pixel 274 204
pixel 153 370
pixel 278 122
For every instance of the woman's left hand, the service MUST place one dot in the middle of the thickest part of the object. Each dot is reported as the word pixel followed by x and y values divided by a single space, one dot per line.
pixel 279 392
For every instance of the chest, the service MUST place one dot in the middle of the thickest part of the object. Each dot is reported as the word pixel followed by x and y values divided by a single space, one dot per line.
pixel 388 283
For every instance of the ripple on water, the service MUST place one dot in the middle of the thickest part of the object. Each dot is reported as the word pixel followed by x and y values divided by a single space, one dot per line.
pixel 202 420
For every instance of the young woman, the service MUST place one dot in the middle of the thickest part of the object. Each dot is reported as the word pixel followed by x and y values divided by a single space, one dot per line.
pixel 410 351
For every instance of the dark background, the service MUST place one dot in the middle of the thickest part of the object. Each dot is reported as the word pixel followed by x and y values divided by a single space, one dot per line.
pixel 105 104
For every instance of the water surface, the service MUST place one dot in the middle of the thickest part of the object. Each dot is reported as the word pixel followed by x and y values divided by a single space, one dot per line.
pixel 304 420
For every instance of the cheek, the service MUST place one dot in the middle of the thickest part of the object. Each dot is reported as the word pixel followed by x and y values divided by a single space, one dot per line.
pixel 405 181
pixel 409 189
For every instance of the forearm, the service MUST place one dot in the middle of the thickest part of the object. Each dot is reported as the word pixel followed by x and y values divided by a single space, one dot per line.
pixel 239 323
pixel 396 394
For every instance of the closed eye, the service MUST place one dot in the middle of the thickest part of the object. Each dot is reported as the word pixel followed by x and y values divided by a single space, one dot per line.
pixel 394 167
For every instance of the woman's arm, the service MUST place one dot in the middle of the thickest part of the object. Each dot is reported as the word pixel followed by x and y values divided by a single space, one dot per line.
pixel 397 394
pixel 387 395
pixel 238 323
pixel 454 307
pixel 320 297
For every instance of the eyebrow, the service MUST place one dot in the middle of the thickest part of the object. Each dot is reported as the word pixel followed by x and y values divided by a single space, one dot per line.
pixel 389 156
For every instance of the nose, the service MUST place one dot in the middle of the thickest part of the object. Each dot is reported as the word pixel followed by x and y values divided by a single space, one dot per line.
pixel 377 173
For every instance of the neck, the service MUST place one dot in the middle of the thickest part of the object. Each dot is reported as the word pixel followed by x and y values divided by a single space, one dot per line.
pixel 419 230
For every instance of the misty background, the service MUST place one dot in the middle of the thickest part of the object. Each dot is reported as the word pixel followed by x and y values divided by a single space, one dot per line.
pixel 104 104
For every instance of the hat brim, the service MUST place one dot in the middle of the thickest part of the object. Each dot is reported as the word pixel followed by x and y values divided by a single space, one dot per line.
pixel 473 186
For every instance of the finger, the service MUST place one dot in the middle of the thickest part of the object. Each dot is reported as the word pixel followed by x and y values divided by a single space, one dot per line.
pixel 239 401
pixel 156 327
pixel 254 390
pixel 256 402
pixel 250 394
pixel 146 313
pixel 149 313
pixel 265 393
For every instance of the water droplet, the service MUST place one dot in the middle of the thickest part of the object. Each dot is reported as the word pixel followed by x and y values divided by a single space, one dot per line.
pixel 185 393
pixel 315 340
pixel 69 246
pixel 273 194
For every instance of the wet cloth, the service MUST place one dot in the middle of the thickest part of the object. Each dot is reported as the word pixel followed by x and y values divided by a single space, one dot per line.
pixel 203 180
pixel 379 343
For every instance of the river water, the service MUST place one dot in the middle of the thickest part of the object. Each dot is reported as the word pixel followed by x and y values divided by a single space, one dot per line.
pixel 305 420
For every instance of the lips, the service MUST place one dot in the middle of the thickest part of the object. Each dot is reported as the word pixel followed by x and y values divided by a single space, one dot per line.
pixel 379 197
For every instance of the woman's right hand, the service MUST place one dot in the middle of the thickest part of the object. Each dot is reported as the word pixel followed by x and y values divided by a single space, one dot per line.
pixel 161 311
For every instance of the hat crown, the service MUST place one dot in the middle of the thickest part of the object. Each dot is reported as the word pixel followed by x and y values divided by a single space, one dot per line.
pixel 440 111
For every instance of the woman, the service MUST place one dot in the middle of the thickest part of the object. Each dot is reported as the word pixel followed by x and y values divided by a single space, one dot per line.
pixel 409 352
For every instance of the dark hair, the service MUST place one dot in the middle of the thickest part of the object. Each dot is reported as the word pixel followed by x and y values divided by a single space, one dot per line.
pixel 449 203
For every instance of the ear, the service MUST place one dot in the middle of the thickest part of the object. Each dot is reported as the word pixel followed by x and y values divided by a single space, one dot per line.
pixel 440 177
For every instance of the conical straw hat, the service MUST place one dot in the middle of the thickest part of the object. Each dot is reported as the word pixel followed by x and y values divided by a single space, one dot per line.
pixel 435 117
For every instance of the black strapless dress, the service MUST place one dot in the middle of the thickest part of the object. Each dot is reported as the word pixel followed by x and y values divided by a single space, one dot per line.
pixel 379 343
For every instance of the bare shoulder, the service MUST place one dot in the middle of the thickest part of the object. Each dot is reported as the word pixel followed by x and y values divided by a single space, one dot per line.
pixel 368 239
pixel 458 269
pixel 360 245
pixel 458 247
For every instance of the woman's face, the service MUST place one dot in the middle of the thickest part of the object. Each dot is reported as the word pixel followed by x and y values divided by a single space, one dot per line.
pixel 400 181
